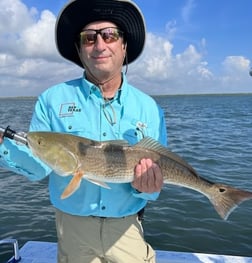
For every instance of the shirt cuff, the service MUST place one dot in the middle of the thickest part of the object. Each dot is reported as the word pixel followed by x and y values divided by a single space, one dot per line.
pixel 19 159
pixel 146 196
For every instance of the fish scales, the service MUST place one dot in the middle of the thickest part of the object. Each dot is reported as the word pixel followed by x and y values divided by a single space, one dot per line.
pixel 111 163
pixel 106 163
pixel 115 161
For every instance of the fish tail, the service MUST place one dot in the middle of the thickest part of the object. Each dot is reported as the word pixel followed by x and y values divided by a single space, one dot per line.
pixel 227 198
pixel 73 185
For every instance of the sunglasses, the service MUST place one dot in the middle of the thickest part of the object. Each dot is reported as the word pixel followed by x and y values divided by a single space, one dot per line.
pixel 108 34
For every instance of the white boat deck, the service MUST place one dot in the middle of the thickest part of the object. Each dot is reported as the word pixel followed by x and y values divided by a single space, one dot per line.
pixel 46 252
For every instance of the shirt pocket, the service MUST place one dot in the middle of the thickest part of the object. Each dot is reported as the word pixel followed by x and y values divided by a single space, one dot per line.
pixel 135 131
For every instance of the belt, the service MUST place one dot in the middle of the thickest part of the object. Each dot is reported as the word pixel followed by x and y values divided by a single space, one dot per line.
pixel 140 215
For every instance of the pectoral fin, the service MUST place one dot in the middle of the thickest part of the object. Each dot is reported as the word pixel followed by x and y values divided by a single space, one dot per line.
pixel 73 185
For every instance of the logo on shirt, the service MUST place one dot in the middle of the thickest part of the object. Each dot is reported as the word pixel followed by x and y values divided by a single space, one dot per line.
pixel 68 109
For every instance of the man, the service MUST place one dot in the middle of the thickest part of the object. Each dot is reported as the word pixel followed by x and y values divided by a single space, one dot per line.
pixel 96 224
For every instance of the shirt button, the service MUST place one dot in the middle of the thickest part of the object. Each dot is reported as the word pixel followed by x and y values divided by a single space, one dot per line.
pixel 104 134
pixel 103 207
pixel 5 152
pixel 70 127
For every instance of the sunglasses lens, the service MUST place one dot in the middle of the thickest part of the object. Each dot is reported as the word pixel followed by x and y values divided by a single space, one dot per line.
pixel 88 37
pixel 109 35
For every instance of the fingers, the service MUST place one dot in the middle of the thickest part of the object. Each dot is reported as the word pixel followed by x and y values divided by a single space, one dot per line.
pixel 148 177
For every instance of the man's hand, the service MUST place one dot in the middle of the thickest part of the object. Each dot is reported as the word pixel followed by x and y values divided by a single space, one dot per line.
pixel 148 177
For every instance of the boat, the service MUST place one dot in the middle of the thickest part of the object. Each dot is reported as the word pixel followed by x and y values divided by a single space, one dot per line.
pixel 46 252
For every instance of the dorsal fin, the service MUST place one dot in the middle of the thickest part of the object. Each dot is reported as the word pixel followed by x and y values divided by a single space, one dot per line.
pixel 153 145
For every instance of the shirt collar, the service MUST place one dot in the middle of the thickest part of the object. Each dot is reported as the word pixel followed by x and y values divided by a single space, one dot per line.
pixel 90 89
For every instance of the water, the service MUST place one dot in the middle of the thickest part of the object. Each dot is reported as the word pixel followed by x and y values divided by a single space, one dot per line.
pixel 212 132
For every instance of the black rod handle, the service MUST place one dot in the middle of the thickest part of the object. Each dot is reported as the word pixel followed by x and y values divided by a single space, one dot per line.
pixel 11 134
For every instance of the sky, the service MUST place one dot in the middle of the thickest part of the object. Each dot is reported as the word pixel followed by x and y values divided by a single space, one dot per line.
pixel 192 47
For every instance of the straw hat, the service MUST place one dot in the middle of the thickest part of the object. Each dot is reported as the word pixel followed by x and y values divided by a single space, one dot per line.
pixel 76 14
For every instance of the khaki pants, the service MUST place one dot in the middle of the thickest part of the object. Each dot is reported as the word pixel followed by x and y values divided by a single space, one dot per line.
pixel 101 240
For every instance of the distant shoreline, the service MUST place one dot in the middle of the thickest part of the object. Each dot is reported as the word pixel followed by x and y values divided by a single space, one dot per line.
pixel 19 97
pixel 152 95
pixel 203 94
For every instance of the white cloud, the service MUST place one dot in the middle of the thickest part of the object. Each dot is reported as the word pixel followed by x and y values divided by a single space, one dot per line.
pixel 160 71
pixel 235 64
pixel 29 62
pixel 165 72
pixel 25 33
pixel 36 40
pixel 236 73
pixel 14 16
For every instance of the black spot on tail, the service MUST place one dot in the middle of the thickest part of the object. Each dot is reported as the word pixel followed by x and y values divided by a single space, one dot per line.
pixel 222 190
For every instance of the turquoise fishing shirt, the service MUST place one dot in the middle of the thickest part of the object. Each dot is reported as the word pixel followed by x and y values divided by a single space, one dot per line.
pixel 77 107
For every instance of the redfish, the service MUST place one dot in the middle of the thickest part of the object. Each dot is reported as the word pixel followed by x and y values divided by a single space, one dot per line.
pixel 114 162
